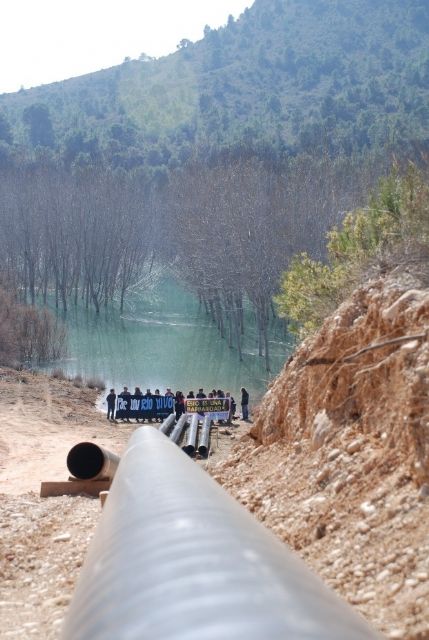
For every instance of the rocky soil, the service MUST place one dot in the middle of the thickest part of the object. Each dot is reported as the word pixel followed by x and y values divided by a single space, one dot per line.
pixel 337 461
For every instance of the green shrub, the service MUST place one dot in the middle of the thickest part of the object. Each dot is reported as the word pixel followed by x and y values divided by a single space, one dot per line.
pixel 397 218
pixel 310 291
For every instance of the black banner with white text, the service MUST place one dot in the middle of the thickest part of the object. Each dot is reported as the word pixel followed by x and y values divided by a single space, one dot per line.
pixel 144 407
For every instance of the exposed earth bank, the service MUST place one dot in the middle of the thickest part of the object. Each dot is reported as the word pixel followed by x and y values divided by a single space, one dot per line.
pixel 336 464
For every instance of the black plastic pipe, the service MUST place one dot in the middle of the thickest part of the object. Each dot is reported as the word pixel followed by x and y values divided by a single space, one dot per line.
pixel 178 429
pixel 174 557
pixel 191 441
pixel 168 423
pixel 89 461
pixel 203 447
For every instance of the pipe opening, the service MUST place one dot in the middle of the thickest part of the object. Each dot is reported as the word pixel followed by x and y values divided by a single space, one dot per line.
pixel 203 451
pixel 85 460
pixel 189 449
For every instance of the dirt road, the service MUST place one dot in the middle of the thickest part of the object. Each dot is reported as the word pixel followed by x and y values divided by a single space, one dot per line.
pixel 43 541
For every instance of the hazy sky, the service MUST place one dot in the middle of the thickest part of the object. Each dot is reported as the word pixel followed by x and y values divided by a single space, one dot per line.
pixel 46 40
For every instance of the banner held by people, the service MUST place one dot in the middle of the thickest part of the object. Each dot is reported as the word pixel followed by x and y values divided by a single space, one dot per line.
pixel 143 407
pixel 217 408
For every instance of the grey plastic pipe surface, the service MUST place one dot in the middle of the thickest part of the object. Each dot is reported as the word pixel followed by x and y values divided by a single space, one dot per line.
pixel 89 461
pixel 191 441
pixel 203 447
pixel 174 557
pixel 178 428
pixel 168 423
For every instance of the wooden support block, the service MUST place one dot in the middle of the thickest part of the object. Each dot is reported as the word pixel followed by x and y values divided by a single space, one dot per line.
pixel 103 497
pixel 74 488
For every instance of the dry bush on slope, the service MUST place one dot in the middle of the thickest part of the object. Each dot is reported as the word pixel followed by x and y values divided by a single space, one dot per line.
pixel 27 334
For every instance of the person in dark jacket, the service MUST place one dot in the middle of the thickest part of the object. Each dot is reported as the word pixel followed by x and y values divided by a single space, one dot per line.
pixel 179 404
pixel 127 397
pixel 232 407
pixel 137 394
pixel 245 403
pixel 148 396
pixel 111 402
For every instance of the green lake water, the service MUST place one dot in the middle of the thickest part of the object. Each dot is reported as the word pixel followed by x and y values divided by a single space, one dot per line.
pixel 164 338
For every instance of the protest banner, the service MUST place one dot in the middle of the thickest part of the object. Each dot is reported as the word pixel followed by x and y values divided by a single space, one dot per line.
pixel 217 408
pixel 143 408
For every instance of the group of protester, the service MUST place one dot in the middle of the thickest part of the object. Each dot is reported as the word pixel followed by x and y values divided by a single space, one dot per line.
pixel 179 400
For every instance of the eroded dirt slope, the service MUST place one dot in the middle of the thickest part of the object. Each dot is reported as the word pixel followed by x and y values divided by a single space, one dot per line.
pixel 337 462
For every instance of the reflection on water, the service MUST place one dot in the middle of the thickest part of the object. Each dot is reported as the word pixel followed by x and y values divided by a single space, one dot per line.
pixel 165 339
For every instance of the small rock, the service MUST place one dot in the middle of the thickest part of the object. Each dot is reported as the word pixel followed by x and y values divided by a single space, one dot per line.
pixel 397 634
pixel 411 346
pixel 333 454
pixel 366 597
pixel 424 492
pixel 257 450
pixel 382 575
pixel 322 426
pixel 62 600
pixel 323 474
pixel 314 501
pixel 355 445
pixel 339 485
pixel 367 509
pixel 411 582
pixel 63 537
pixel 393 567
pixel 363 527
pixel 422 576
pixel 405 299
pixel 57 622
pixel 395 587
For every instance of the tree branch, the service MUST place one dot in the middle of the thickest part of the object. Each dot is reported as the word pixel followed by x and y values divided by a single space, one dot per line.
pixel 317 361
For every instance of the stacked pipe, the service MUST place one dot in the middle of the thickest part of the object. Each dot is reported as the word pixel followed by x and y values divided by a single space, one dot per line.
pixel 167 424
pixel 177 431
pixel 203 447
pixel 191 442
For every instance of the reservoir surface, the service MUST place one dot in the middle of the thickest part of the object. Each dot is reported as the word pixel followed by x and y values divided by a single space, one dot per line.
pixel 164 338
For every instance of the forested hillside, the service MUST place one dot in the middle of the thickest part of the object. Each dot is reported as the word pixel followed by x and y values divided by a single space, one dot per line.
pixel 224 159
pixel 287 76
